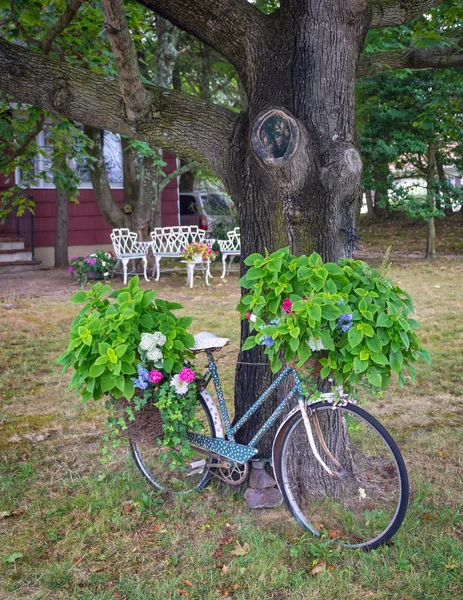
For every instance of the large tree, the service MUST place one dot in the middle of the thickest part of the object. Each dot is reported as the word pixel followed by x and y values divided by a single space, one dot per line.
pixel 290 160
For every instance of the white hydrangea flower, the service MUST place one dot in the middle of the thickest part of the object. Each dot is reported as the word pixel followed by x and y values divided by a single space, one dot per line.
pixel 315 344
pixel 159 339
pixel 103 263
pixel 181 387
pixel 154 354
pixel 106 274
pixel 152 340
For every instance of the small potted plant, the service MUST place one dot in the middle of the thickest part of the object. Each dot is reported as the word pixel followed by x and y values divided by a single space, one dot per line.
pixel 99 265
pixel 346 316
pixel 129 347
pixel 198 252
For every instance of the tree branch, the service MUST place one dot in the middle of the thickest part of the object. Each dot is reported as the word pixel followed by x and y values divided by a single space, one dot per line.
pixel 132 88
pixel 9 158
pixel 99 177
pixel 177 122
pixel 232 27
pixel 399 12
pixel 438 57
pixel 177 173
pixel 66 17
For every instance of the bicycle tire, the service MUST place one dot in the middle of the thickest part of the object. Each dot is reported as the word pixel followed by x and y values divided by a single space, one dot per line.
pixel 365 507
pixel 156 468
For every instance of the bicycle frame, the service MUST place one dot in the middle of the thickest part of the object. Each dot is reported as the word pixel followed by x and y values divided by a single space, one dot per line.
pixel 231 431
pixel 243 453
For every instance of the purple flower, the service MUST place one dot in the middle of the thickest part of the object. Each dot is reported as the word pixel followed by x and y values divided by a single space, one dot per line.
pixel 73 257
pixel 70 270
pixel 140 383
pixel 143 374
pixel 268 341
pixel 90 261
pixel 345 318
pixel 346 327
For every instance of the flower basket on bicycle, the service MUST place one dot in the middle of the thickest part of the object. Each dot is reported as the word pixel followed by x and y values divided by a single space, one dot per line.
pixel 350 317
pixel 146 426
pixel 128 346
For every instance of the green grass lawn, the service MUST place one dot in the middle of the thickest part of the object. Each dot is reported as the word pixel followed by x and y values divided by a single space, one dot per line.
pixel 72 528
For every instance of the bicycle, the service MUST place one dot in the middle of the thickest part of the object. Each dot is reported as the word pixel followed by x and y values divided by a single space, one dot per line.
pixel 349 483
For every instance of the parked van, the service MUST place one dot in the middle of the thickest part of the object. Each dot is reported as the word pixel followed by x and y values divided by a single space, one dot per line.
pixel 205 209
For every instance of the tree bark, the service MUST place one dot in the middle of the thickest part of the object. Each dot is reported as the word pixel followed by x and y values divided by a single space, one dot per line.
pixel 61 229
pixel 103 194
pixel 306 202
pixel 370 206
pixel 431 199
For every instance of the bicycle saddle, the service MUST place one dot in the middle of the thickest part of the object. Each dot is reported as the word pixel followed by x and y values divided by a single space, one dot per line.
pixel 208 342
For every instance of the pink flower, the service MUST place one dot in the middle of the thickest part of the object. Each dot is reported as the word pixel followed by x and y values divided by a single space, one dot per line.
pixel 73 257
pixel 187 375
pixel 70 270
pixel 286 306
pixel 155 376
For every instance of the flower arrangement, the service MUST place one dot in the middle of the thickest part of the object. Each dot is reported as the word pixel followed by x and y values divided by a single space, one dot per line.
pixel 200 251
pixel 102 263
pixel 129 345
pixel 348 316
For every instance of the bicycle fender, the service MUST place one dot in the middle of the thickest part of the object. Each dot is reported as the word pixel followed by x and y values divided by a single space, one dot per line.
pixel 212 406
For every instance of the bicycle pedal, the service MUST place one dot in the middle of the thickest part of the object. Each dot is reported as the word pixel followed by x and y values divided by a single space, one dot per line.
pixel 196 467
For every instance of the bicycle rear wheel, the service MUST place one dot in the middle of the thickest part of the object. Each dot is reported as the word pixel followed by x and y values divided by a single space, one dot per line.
pixel 157 467
pixel 363 508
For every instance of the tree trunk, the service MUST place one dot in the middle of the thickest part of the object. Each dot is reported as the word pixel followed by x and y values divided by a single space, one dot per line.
pixel 131 177
pixel 61 229
pixel 443 181
pixel 307 201
pixel 431 199
pixel 381 198
pixel 103 194
pixel 370 206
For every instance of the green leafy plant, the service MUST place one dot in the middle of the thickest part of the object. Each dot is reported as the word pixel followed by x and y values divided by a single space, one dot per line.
pixel 101 262
pixel 128 344
pixel 350 317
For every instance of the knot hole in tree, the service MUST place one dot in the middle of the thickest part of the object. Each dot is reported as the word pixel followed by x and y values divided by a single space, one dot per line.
pixel 275 137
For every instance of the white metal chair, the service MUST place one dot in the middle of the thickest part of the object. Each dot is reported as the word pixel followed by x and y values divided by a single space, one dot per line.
pixel 126 247
pixel 170 241
pixel 230 247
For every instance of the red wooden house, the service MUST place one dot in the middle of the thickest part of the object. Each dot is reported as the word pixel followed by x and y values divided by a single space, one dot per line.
pixel 88 229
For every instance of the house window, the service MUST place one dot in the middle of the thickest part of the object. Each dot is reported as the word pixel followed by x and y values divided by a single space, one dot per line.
pixel 112 152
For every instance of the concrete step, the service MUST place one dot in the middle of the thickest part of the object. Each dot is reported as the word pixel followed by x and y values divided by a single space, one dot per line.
pixel 14 254
pixel 19 265
pixel 11 244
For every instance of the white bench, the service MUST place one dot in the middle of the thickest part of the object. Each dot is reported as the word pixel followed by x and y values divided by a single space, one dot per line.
pixel 126 248
pixel 170 242
pixel 230 247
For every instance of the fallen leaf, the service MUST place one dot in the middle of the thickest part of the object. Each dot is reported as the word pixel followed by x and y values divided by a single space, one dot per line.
pixel 4 514
pixel 225 569
pixel 98 569
pixel 182 592
pixel 335 534
pixel 241 550
pixel 77 559
pixel 12 557
pixel 319 568
pixel 443 454
pixel 362 494
pixel 188 582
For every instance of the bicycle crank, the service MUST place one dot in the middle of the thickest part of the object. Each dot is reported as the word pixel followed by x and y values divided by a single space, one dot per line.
pixel 235 474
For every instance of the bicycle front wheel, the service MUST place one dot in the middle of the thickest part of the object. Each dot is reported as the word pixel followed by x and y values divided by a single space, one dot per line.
pixel 366 504
pixel 158 465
